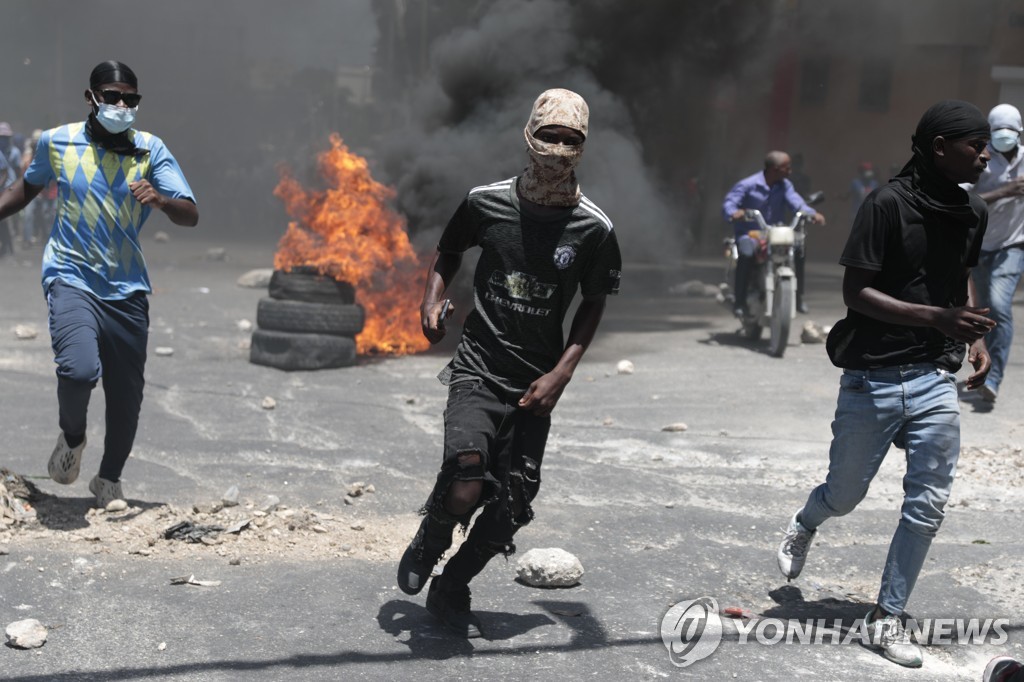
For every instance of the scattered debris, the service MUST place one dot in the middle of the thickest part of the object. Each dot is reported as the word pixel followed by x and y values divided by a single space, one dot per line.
pixel 678 426
pixel 624 367
pixel 26 634
pixel 256 279
pixel 549 567
pixel 230 497
pixel 217 253
pixel 25 332
pixel 161 237
pixel 607 421
pixel 161 646
pixel 244 325
pixel 238 527
pixel 245 344
pixel 191 532
pixel 268 403
pixel 814 333
pixel 16 497
pixel 116 506
pixel 270 504
pixel 191 580
pixel 164 351
pixel 358 488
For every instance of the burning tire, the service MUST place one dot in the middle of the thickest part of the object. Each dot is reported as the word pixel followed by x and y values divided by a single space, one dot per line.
pixel 310 318
pixel 288 351
pixel 310 287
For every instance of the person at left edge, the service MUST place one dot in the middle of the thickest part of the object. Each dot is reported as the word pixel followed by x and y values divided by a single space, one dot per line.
pixel 109 177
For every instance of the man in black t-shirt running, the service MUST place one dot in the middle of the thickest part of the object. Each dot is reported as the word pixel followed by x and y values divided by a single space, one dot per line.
pixel 910 314
pixel 541 240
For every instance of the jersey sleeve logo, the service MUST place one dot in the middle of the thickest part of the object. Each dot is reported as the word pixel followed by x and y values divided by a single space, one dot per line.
pixel 564 256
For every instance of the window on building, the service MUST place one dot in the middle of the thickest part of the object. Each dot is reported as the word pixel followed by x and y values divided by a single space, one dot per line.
pixel 875 85
pixel 813 80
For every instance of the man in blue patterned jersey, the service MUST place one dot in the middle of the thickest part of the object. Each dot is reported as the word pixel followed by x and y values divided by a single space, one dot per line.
pixel 541 241
pixel 109 179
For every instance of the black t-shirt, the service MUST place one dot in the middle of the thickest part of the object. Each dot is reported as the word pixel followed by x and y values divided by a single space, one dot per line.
pixel 528 273
pixel 921 256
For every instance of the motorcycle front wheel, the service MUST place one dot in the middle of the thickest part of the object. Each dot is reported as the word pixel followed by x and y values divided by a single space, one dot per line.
pixel 782 316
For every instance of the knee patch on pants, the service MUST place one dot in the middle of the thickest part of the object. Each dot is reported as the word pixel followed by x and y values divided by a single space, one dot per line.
pixel 524 484
pixel 470 465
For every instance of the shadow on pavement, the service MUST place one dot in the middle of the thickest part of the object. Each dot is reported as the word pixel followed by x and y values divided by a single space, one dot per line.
pixel 64 513
pixel 428 641
pixel 791 604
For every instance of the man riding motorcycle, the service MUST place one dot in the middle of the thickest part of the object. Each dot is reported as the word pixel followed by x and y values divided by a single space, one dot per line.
pixel 770 192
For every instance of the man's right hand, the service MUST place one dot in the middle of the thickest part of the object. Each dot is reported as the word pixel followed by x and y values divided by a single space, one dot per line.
pixel 965 323
pixel 430 320
pixel 738 215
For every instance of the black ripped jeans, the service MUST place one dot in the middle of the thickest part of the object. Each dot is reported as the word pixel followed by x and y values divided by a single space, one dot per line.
pixel 510 444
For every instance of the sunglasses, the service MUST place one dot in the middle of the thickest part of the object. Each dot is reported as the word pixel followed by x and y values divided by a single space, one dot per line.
pixel 130 99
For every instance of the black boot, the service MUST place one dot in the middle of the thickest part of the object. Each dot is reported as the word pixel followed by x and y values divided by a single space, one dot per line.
pixel 450 603
pixel 744 265
pixel 429 544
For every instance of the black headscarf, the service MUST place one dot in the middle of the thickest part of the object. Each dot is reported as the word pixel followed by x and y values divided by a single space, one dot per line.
pixel 953 120
pixel 122 143
pixel 112 72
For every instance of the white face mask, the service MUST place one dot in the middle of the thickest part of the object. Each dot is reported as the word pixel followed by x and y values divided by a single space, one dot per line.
pixel 114 118
pixel 1005 140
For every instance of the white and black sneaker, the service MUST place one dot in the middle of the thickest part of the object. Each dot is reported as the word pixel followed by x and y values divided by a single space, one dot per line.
pixel 793 551
pixel 890 637
pixel 66 461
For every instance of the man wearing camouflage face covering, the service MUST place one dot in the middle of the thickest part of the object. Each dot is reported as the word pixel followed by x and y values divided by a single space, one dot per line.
pixel 550 179
pixel 541 240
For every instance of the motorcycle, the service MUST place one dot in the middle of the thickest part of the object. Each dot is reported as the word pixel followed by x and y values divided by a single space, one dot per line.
pixel 771 294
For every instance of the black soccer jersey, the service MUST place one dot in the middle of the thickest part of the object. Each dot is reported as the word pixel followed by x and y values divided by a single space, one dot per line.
pixel 529 270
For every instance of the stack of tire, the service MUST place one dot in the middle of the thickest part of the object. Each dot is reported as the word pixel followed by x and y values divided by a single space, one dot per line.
pixel 309 322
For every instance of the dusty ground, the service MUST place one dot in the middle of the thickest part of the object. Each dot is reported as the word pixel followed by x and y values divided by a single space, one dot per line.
pixel 655 516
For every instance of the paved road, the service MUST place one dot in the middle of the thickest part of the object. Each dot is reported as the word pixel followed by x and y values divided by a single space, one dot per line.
pixel 656 517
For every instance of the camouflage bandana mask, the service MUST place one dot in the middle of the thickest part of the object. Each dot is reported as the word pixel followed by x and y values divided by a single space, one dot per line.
pixel 550 179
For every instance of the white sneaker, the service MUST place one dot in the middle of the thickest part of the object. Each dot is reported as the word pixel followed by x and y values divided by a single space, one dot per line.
pixel 65 461
pixel 793 551
pixel 105 491
pixel 888 636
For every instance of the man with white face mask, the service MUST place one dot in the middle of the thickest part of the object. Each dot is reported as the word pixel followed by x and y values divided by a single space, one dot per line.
pixel 541 240
pixel 109 179
pixel 1002 251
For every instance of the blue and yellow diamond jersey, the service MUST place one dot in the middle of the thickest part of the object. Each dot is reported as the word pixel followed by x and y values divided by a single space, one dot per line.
pixel 94 243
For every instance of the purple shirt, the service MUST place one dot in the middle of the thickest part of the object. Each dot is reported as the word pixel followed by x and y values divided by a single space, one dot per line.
pixel 772 202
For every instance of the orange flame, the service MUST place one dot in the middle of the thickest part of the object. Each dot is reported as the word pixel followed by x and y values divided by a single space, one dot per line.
pixel 349 232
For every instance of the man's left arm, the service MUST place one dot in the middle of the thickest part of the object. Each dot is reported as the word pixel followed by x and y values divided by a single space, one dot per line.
pixel 543 394
pixel 168 191
pixel 797 203
pixel 977 352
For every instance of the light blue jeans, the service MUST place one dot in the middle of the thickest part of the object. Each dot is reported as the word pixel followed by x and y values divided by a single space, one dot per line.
pixel 996 277
pixel 914 407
